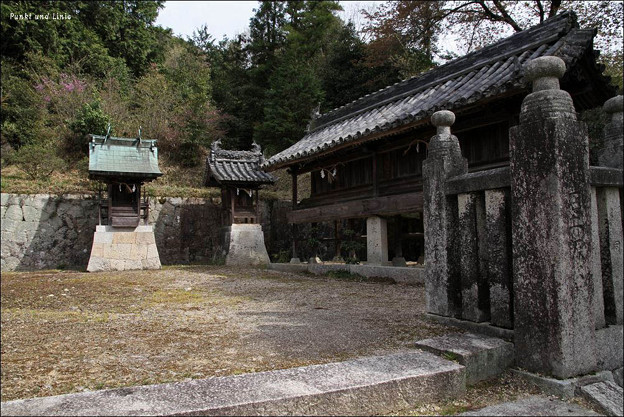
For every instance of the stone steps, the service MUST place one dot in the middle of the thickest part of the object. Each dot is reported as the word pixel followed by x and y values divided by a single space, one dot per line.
pixel 365 386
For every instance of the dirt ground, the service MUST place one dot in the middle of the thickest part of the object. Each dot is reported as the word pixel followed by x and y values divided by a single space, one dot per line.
pixel 68 331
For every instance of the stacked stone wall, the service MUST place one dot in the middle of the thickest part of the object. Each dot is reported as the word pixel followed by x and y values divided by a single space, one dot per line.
pixel 44 231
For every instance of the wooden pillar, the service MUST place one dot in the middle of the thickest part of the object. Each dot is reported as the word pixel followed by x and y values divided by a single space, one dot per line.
pixel 337 240
pixel 375 181
pixel 100 204
pixel 110 204
pixel 398 259
pixel 232 204
pixel 257 208
pixel 295 258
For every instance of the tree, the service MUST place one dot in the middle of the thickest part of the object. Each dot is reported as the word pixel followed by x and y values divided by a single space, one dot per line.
pixel 405 34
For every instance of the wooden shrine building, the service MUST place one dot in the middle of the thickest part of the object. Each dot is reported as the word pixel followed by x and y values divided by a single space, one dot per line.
pixel 123 165
pixel 365 158
pixel 239 176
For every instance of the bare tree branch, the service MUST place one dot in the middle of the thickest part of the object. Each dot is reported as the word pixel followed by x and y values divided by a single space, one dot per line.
pixel 554 7
pixel 506 17
pixel 540 6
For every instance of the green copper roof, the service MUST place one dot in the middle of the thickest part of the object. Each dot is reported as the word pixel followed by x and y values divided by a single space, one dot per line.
pixel 123 157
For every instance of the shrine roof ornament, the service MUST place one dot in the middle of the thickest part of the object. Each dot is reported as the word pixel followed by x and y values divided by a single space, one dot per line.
pixel 235 168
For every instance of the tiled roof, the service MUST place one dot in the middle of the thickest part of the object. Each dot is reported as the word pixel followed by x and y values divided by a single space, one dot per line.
pixel 485 73
pixel 236 168
pixel 123 157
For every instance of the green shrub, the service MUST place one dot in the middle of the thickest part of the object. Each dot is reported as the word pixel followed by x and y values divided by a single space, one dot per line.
pixel 89 120
pixel 38 160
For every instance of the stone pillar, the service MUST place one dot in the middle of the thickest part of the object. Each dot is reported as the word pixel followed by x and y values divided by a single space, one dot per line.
pixel 599 310
pixel 610 235
pixel 498 249
pixel 442 279
pixel 376 241
pixel 551 230
pixel 475 295
pixel 610 155
pixel 122 249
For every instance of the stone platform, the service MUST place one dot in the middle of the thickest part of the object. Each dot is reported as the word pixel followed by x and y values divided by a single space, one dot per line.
pixel 121 249
pixel 245 243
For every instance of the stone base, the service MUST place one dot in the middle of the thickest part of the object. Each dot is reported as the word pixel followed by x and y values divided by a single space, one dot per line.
pixel 484 357
pixel 563 388
pixel 122 249
pixel 399 261
pixel 246 245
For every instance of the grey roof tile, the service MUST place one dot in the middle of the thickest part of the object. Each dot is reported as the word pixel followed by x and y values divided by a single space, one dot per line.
pixel 235 168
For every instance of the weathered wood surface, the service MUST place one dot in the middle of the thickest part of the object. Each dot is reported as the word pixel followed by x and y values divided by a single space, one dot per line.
pixel 380 206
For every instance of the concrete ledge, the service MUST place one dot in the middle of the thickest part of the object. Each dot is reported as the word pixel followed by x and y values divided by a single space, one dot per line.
pixel 484 357
pixel 365 386
pixel 563 388
pixel 481 328
pixel 406 275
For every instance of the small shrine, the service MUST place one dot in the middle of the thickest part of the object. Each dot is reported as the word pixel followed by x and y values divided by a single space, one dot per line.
pixel 239 176
pixel 123 238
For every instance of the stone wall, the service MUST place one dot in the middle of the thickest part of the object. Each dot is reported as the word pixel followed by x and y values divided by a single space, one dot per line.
pixel 46 231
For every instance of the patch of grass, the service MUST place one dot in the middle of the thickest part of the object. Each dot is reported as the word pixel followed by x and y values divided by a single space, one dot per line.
pixel 451 356
pixel 57 315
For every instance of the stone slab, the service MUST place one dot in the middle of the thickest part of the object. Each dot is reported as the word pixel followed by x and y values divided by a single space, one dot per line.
pixel 533 406
pixel 607 396
pixel 481 328
pixel 609 347
pixel 406 275
pixel 563 388
pixel 617 376
pixel 365 386
pixel 484 357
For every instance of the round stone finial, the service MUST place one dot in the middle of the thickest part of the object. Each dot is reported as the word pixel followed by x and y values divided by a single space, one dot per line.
pixel 443 118
pixel 614 104
pixel 545 72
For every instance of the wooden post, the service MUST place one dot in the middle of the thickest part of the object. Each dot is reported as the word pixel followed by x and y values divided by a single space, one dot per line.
pixel 110 204
pixel 293 173
pixel 398 238
pixel 375 182
pixel 100 204
pixel 232 204
pixel 257 208
pixel 337 240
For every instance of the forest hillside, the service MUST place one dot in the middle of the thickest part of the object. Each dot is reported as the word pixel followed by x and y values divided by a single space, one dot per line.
pixel 95 64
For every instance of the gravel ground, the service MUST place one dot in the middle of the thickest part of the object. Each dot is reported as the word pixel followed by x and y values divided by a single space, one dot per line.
pixel 67 331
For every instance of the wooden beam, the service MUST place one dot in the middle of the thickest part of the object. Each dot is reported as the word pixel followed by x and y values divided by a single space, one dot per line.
pixel 380 206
